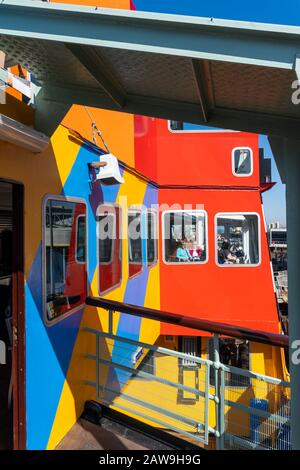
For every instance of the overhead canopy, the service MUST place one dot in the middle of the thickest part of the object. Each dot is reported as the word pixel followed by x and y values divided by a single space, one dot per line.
pixel 229 74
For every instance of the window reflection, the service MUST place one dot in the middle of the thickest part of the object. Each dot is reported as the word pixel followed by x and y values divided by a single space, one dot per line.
pixel 65 245
pixel 109 236
pixel 242 161
pixel 151 238
pixel 135 255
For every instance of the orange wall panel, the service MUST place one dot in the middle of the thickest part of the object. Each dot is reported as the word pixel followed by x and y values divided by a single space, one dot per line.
pixel 122 4
pixel 116 129
pixel 202 158
pixel 238 295
pixel 145 145
pixel 191 158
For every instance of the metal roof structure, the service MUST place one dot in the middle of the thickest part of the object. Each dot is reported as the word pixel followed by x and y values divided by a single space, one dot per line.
pixel 229 74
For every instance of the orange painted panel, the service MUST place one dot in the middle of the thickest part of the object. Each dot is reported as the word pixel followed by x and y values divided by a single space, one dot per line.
pixel 122 4
pixel 145 146
pixel 15 109
pixel 237 295
pixel 116 128
pixel 192 158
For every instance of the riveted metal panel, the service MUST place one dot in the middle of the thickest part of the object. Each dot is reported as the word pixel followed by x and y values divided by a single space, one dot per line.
pixel 51 62
pixel 153 74
pixel 252 88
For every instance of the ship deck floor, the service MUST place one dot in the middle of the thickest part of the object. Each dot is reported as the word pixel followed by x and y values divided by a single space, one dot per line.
pixel 107 436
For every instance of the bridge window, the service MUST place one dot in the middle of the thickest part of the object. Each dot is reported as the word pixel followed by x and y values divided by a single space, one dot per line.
pixel 135 255
pixel 184 237
pixel 65 257
pixel 237 239
pixel 242 161
pixel 109 238
pixel 151 238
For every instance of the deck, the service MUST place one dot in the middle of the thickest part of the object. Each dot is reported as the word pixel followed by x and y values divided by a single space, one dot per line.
pixel 107 436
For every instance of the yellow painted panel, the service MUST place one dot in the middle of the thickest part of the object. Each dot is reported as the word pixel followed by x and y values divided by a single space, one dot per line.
pixel 65 151
pixel 150 330
pixel 39 175
pixel 74 392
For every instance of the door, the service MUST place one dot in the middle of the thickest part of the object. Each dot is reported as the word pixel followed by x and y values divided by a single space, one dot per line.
pixel 12 345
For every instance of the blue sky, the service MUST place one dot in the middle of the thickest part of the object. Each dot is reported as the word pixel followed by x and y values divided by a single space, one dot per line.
pixel 267 11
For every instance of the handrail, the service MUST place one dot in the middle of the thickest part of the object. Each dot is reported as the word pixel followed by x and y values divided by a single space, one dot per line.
pixel 194 323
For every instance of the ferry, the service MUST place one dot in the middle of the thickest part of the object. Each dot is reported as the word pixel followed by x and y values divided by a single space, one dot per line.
pixel 183 214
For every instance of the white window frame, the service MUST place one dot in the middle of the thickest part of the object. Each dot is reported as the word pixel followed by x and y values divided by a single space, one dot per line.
pixel 115 228
pixel 192 131
pixel 106 263
pixel 55 197
pixel 244 175
pixel 134 210
pixel 237 265
pixel 176 263
pixel 155 216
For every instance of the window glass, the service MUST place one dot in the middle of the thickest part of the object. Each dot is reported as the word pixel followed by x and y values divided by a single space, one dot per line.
pixel 242 161
pixel 185 237
pixel 135 256
pixel 65 246
pixel 180 126
pixel 151 238
pixel 238 239
pixel 233 352
pixel 81 239
pixel 109 247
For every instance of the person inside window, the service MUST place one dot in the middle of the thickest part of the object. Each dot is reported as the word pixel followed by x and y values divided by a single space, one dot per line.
pixel 225 254
pixel 182 253
pixel 238 251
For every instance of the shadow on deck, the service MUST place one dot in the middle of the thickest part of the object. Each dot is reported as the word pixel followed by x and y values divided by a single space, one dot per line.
pixel 107 436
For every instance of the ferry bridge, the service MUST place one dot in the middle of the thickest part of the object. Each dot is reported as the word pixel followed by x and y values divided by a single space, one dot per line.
pixel 229 74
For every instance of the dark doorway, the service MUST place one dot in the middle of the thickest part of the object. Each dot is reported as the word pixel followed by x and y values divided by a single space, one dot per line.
pixel 12 405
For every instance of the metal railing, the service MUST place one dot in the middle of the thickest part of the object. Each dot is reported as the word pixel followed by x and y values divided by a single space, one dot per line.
pixel 198 399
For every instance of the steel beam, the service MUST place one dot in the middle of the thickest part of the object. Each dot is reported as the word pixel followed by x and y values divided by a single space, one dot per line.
pixel 90 58
pixel 170 109
pixel 277 145
pixel 86 29
pixel 200 80
pixel 286 153
pixel 198 38
pixel 292 168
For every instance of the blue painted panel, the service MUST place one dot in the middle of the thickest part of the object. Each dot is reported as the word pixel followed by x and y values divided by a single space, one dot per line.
pixel 49 349
pixel 129 325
